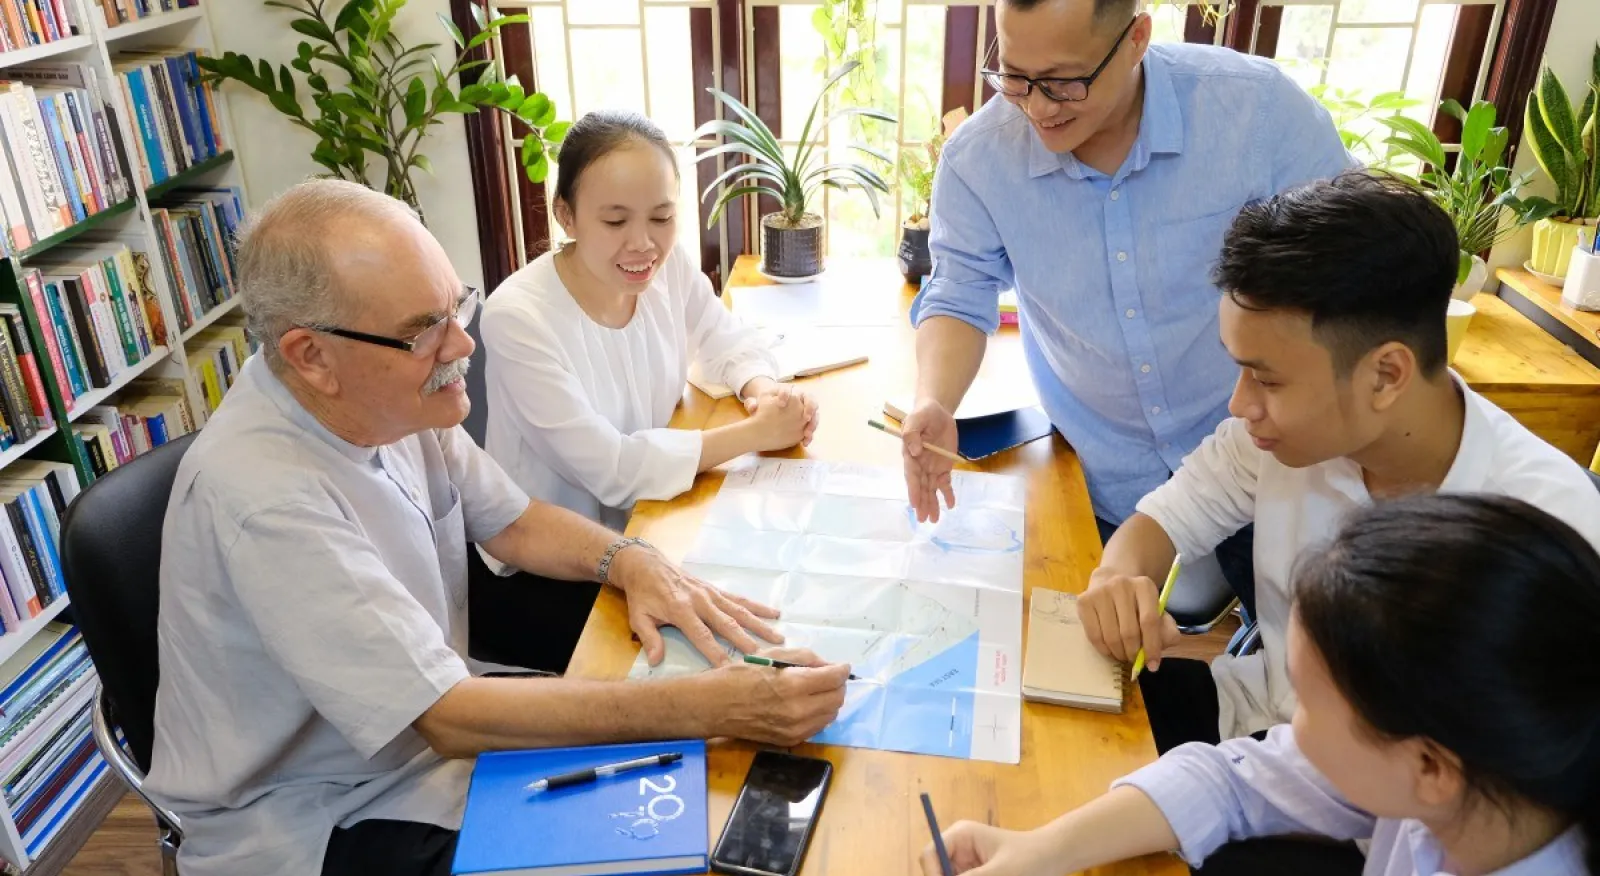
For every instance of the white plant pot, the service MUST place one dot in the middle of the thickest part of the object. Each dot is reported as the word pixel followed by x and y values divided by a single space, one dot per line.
pixel 1473 284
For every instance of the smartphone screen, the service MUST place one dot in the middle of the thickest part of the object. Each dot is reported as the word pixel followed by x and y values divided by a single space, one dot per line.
pixel 773 818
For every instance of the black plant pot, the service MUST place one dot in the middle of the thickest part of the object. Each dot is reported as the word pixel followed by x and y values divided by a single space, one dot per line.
pixel 915 260
pixel 791 252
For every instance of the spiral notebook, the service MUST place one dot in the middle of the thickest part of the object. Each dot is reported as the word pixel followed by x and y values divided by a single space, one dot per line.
pixel 1060 666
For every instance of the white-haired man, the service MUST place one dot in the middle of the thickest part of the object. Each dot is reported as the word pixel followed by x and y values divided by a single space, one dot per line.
pixel 316 712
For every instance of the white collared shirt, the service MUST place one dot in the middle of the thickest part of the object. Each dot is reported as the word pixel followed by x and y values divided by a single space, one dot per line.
pixel 578 412
pixel 1248 789
pixel 313 605
pixel 1228 482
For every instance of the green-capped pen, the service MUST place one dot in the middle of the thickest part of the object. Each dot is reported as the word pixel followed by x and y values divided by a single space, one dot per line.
pixel 754 660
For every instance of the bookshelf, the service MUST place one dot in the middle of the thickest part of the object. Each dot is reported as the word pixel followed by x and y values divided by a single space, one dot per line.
pixel 131 223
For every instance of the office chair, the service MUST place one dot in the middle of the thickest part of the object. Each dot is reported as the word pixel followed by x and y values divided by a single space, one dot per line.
pixel 111 554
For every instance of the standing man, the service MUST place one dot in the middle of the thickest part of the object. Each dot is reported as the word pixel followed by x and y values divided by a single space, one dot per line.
pixel 1099 188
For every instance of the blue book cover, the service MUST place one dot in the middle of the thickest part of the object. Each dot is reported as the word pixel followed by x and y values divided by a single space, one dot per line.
pixel 202 106
pixel 178 72
pixel 147 126
pixel 69 353
pixel 644 821
pixel 985 436
pixel 48 555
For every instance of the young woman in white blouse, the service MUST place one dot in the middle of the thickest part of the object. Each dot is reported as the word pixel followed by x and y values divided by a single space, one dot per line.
pixel 588 347
pixel 1444 653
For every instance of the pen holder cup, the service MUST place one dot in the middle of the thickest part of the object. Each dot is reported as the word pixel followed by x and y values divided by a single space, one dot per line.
pixel 1582 289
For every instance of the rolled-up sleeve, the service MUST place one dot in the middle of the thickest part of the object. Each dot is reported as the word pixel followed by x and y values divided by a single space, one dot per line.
pixel 490 499
pixel 1212 495
pixel 554 416
pixel 727 351
pixel 970 264
pixel 365 653
pixel 1245 789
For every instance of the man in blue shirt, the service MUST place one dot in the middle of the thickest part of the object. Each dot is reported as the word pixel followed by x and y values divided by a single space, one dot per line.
pixel 1098 185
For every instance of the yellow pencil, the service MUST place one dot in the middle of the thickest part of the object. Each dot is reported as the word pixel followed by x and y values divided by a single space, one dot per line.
pixel 1161 608
pixel 884 427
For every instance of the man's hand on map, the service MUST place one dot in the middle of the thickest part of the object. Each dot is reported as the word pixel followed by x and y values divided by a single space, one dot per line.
pixel 928 474
pixel 661 594
pixel 985 850
pixel 781 416
pixel 1120 616
pixel 778 706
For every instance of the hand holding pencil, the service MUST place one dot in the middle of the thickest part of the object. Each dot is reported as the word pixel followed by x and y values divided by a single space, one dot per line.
pixel 1124 615
pixel 929 440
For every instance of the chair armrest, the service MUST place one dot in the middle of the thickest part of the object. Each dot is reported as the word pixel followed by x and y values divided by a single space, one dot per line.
pixel 105 739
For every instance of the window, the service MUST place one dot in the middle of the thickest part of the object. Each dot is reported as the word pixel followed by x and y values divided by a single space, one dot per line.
pixel 659 56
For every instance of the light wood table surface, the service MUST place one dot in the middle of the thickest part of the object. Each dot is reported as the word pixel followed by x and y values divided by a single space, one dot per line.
pixel 872 822
pixel 1545 384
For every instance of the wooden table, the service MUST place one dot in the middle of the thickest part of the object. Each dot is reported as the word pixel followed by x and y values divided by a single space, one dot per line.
pixel 1531 374
pixel 873 821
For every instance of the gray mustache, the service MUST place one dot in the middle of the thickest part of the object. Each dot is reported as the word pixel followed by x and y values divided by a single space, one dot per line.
pixel 446 374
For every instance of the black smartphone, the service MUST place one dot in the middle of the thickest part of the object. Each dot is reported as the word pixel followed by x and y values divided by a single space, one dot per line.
pixel 774 817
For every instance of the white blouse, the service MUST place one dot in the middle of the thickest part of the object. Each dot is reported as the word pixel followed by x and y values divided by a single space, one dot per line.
pixel 578 412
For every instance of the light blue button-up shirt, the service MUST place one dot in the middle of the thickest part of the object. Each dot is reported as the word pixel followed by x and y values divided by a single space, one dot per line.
pixel 1112 273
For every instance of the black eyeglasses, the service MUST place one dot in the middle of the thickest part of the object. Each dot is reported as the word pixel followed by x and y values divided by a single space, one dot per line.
pixel 423 344
pixel 1057 89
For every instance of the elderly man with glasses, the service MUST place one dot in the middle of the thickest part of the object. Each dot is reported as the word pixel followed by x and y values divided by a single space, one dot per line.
pixel 1098 184
pixel 316 710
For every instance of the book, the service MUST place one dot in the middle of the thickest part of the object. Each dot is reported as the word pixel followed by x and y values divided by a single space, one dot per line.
pixel 590 828
pixel 799 354
pixel 1059 665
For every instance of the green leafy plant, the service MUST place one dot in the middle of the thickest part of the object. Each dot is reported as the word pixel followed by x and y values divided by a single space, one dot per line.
pixel 1356 120
pixel 917 169
pixel 1479 193
pixel 849 31
pixel 1562 137
pixel 793 178
pixel 374 98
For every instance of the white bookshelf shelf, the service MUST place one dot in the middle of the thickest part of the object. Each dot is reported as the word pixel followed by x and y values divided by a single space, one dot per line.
pixel 15 451
pixel 153 22
pixel 211 317
pixel 16 57
pixel 13 641
pixel 83 403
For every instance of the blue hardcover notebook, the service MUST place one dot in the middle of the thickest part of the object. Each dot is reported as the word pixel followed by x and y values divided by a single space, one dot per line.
pixel 985 436
pixel 646 821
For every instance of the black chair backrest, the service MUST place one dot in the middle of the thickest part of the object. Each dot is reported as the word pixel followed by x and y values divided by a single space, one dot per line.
pixel 477 421
pixel 1595 476
pixel 111 560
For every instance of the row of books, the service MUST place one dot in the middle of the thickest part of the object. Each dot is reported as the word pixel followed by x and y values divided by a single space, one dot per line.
pixel 98 314
pixel 62 155
pixel 24 406
pixel 123 11
pixel 25 23
pixel 152 412
pixel 47 754
pixel 33 497
pixel 215 357
pixel 174 112
pixel 196 230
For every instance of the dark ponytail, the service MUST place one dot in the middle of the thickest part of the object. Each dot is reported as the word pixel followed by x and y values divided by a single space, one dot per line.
pixel 1470 621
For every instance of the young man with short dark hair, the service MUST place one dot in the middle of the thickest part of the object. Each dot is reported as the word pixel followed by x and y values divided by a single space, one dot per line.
pixel 1333 306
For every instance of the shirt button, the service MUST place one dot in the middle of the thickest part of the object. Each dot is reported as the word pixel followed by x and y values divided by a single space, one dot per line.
pixel 1129 314
pixel 1122 256
pixel 1166 446
pixel 1144 369
pixel 416 494
pixel 1115 194
pixel 1156 409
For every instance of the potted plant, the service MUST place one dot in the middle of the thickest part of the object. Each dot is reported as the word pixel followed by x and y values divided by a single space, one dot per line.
pixel 1563 140
pixel 791 237
pixel 1479 194
pixel 917 170
pixel 390 94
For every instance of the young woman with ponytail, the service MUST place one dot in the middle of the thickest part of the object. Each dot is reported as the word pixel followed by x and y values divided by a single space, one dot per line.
pixel 1445 654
